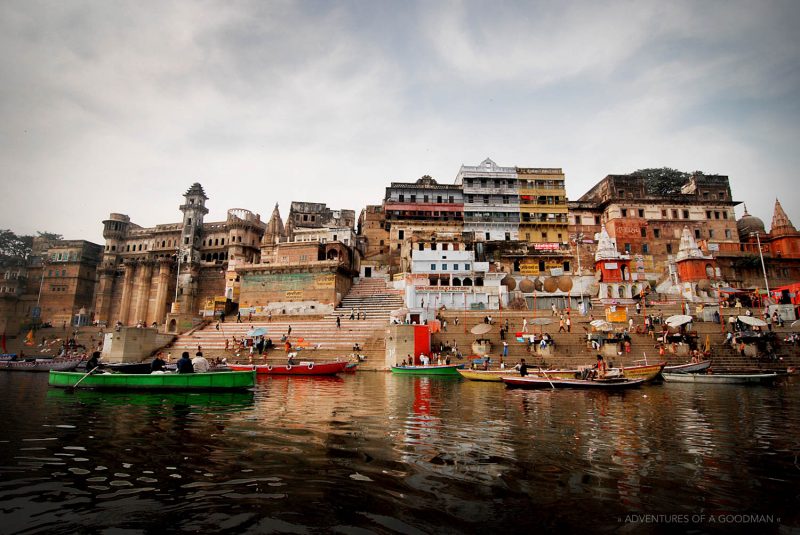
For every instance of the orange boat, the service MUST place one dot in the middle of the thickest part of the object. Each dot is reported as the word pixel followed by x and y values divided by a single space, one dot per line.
pixel 301 368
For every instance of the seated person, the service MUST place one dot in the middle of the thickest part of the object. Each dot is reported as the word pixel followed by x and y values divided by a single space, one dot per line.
pixel 158 364
pixel 184 363
pixel 199 363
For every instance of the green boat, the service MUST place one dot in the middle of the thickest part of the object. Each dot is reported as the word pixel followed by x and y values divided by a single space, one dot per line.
pixel 449 369
pixel 155 381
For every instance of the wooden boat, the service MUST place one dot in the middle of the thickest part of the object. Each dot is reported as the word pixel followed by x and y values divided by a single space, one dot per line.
pixel 647 372
pixel 723 378
pixel 597 384
pixel 301 368
pixel 486 375
pixel 128 367
pixel 155 381
pixel 446 369
pixel 40 365
pixel 692 367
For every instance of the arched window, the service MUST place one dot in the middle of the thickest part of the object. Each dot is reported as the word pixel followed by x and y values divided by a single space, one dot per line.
pixel 163 243
pixel 467 281
pixel 214 256
pixel 456 281
pixel 478 281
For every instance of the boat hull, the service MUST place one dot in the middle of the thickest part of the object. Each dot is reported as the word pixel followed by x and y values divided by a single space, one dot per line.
pixel 579 384
pixel 44 365
pixel 649 372
pixel 303 368
pixel 155 381
pixel 692 367
pixel 450 369
pixel 722 378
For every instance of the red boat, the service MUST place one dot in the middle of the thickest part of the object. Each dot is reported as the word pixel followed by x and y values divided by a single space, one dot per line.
pixel 301 368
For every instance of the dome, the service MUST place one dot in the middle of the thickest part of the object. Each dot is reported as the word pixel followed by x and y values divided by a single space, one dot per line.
pixel 749 224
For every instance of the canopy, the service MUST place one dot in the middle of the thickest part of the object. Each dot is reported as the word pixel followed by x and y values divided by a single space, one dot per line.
pixel 541 321
pixel 481 328
pixel 677 320
pixel 258 331
pixel 601 325
pixel 729 290
pixel 750 320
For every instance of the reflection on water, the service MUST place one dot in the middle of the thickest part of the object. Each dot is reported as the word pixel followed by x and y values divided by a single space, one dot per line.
pixel 392 454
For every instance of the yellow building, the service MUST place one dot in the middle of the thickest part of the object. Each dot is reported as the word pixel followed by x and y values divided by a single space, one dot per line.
pixel 542 205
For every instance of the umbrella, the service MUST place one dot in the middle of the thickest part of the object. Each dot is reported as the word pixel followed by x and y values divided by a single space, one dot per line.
pixel 750 320
pixel 481 328
pixel 677 320
pixel 258 331
pixel 601 325
pixel 541 321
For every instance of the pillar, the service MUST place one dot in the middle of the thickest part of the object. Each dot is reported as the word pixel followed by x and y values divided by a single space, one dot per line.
pixel 144 275
pixel 103 303
pixel 163 290
pixel 127 291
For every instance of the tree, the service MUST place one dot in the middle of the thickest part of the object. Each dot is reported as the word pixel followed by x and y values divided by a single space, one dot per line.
pixel 662 181
pixel 49 236
pixel 13 247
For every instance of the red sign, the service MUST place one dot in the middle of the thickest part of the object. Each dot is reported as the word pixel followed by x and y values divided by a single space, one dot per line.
pixel 547 246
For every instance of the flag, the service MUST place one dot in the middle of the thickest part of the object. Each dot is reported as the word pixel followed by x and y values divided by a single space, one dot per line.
pixel 29 339
pixel 3 343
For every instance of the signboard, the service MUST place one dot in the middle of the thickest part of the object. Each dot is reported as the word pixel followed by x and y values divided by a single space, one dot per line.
pixel 529 268
pixel 713 247
pixel 610 265
pixel 556 272
pixel 294 295
pixel 325 281
pixel 628 229
pixel 616 314
pixel 546 246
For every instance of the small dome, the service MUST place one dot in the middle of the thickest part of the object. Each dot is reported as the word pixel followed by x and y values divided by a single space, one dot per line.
pixel 749 224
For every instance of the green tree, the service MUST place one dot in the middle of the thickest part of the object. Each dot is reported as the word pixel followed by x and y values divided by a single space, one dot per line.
pixel 663 181
pixel 13 247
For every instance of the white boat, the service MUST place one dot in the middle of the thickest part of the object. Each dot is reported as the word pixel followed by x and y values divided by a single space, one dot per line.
pixel 692 367
pixel 722 378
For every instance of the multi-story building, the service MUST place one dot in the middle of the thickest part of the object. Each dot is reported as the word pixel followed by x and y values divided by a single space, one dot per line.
pixel 373 240
pixel 542 205
pixel 314 215
pixel 491 201
pixel 145 270
pixel 445 273
pixel 648 227
pixel 423 210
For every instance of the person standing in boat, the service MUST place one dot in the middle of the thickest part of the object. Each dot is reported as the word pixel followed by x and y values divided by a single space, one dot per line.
pixel 158 364
pixel 91 364
pixel 184 363
pixel 522 367
pixel 601 366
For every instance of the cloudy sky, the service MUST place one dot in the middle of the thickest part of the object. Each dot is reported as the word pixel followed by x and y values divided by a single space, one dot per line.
pixel 114 106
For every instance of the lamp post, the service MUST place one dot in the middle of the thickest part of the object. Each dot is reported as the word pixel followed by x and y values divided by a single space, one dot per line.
pixel 763 268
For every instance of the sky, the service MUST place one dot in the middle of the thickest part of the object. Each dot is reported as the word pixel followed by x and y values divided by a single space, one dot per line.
pixel 121 106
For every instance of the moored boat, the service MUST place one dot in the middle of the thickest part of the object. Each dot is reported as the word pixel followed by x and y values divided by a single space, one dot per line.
pixel 301 368
pixel 723 378
pixel 648 372
pixel 155 381
pixel 40 365
pixel 581 384
pixel 446 369
pixel 691 367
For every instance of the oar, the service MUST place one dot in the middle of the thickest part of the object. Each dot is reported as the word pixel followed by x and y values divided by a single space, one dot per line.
pixel 546 377
pixel 73 387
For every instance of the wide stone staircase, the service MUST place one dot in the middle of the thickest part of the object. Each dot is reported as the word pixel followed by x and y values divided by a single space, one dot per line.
pixel 323 341
pixel 573 350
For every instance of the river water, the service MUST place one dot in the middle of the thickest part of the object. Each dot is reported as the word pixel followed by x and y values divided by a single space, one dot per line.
pixel 377 453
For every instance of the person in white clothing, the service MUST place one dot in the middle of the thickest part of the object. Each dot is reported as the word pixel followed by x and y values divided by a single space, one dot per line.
pixel 525 325
pixel 199 363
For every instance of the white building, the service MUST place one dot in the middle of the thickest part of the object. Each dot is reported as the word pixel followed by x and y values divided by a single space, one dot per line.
pixel 446 274
pixel 346 235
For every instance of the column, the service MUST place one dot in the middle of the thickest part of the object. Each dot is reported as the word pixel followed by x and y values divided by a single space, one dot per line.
pixel 127 291
pixel 163 290
pixel 143 293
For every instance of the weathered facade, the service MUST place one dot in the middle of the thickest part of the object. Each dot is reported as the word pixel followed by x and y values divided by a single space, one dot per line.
pixel 147 272
pixel 491 201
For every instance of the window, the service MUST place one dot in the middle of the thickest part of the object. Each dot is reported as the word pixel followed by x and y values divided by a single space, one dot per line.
pixel 452 199
pixel 189 221
pixel 724 215
pixel 413 198
pixel 439 199
pixel 656 232
pixel 140 246
pixel 186 241
pixel 470 199
pixel 686 214
pixel 645 248
pixel 577 220
pixel 505 199
pixel 697 233
pixel 401 234
pixel 559 237
pixel 424 198
pixel 728 233
pixel 641 212
pixel 398 246
pixel 305 217
pixel 433 267
pixel 544 236
pixel 644 232
pixel 624 212
pixel 433 246
pixel 663 213
pixel 421 246
pixel 674 214
pixel 402 198
pixel 711 233
pixel 455 267
pixel 444 267
pixel 485 199
pixel 488 236
pixel 716 215
pixel 466 267
pixel 708 214
pixel 566 265
pixel 597 220
pixel 622 193
pixel 628 248
pixel 445 247
pixel 541 265
pixel 669 248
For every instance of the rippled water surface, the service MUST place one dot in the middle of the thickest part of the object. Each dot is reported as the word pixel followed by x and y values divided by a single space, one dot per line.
pixel 379 453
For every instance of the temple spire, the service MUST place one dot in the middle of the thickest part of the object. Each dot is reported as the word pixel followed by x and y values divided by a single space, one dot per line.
pixel 780 221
